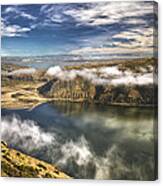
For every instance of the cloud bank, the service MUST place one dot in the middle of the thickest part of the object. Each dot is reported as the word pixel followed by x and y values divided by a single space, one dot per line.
pixel 105 75
pixel 23 71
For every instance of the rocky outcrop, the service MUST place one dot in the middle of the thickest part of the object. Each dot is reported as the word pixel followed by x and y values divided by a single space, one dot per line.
pixel 145 95
pixel 98 88
pixel 77 90
pixel 17 164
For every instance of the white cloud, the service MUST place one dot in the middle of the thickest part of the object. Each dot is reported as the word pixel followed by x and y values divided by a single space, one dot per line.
pixel 138 39
pixel 108 40
pixel 54 70
pixel 28 16
pixel 23 71
pixel 10 9
pixel 141 38
pixel 100 13
pixel 135 21
pixel 54 14
pixel 107 13
pixel 105 75
pixel 13 30
pixel 43 8
pixel 116 50
pixel 134 40
pixel 18 12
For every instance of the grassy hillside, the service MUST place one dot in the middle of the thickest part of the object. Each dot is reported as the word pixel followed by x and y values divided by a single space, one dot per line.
pixel 17 164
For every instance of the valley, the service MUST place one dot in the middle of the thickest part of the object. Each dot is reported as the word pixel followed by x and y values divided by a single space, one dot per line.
pixel 126 83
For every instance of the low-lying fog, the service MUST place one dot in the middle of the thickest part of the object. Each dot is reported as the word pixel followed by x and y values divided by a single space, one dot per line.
pixel 106 75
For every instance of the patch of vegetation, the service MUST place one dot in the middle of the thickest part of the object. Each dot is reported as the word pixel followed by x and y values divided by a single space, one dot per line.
pixel 17 164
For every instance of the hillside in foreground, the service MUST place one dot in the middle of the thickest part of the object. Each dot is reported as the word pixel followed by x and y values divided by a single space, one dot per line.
pixel 17 164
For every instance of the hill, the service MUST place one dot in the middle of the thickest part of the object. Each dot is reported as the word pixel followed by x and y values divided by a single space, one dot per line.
pixel 128 83
pixel 17 164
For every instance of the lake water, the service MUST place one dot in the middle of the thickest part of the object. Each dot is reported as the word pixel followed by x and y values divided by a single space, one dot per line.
pixel 87 141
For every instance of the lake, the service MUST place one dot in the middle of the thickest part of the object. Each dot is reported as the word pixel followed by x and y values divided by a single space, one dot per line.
pixel 87 140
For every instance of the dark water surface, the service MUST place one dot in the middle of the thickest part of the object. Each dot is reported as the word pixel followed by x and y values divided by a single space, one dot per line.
pixel 87 141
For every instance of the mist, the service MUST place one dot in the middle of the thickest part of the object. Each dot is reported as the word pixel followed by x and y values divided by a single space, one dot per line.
pixel 23 71
pixel 105 75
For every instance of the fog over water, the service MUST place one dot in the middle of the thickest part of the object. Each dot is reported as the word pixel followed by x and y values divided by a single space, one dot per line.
pixel 86 141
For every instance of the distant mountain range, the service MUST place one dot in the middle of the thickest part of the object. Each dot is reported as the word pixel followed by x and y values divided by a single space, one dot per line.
pixel 64 58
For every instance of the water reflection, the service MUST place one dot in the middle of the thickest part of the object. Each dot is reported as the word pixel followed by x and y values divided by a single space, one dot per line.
pixel 90 141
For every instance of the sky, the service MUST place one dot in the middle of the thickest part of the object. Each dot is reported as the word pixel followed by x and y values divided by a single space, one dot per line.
pixel 86 29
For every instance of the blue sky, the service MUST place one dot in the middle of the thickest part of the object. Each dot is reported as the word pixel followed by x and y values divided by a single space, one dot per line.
pixel 108 28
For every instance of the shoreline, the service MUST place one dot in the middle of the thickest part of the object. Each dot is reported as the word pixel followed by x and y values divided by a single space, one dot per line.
pixel 53 100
